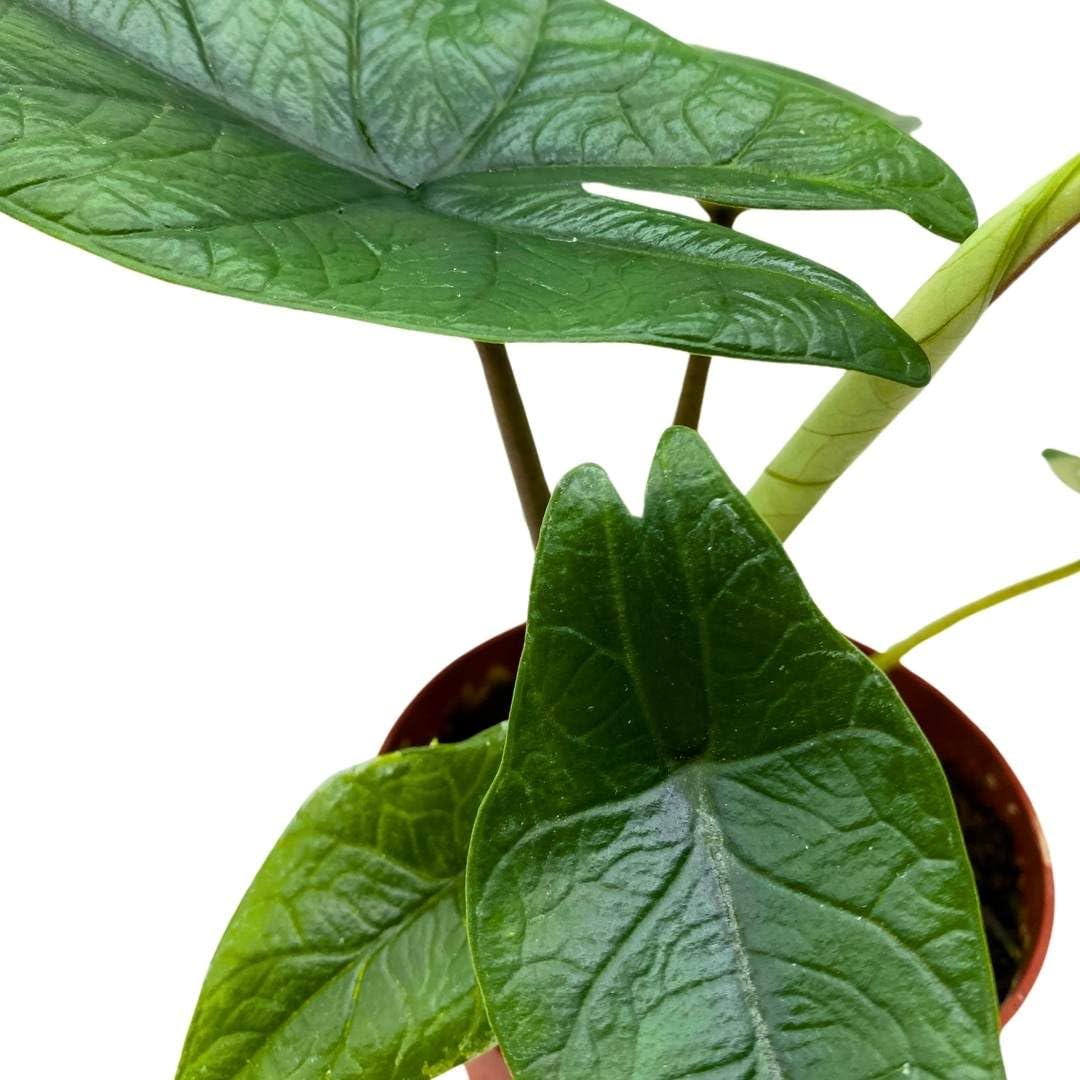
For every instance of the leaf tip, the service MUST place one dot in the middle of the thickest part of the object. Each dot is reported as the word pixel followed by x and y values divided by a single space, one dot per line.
pixel 920 373
pixel 956 217
pixel 682 449
pixel 684 461
pixel 580 491
pixel 1066 467
pixel 913 368
pixel 900 363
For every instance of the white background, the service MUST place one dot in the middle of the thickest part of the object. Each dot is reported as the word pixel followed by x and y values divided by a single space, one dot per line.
pixel 236 539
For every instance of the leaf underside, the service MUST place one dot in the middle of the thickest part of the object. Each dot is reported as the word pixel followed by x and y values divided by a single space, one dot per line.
pixel 1066 467
pixel 421 165
pixel 718 844
pixel 347 957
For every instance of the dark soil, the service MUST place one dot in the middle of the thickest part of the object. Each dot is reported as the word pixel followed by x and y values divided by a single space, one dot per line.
pixel 997 876
pixel 480 707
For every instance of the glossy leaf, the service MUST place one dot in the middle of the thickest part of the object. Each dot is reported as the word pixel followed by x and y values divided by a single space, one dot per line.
pixel 718 844
pixel 940 315
pixel 347 957
pixel 420 165
pixel 1066 467
pixel 897 120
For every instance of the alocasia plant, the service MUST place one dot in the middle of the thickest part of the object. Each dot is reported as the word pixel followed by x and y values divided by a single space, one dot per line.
pixel 717 843
pixel 421 165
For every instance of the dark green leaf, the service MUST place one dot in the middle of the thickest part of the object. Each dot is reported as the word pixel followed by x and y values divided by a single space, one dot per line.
pixel 347 957
pixel 420 165
pixel 718 844
pixel 1066 467
pixel 798 79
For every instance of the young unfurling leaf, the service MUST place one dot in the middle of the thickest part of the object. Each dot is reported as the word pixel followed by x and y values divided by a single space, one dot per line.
pixel 939 316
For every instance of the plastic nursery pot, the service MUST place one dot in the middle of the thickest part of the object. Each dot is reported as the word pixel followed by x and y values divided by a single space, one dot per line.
pixel 1005 842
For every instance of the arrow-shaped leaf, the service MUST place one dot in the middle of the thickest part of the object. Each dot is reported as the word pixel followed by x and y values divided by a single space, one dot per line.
pixel 347 957
pixel 1066 467
pixel 420 165
pixel 718 844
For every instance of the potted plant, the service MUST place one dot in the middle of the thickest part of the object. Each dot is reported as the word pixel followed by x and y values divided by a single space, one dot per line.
pixel 698 831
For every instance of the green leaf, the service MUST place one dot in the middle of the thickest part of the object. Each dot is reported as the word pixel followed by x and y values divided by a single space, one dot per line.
pixel 420 165
pixel 907 124
pixel 940 316
pixel 1066 467
pixel 718 844
pixel 347 957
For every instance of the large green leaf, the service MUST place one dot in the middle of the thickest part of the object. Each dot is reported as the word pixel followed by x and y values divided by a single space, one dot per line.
pixel 347 957
pixel 718 844
pixel 419 164
pixel 939 316
pixel 1066 467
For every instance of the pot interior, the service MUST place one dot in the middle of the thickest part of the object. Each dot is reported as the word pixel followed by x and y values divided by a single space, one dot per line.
pixel 997 870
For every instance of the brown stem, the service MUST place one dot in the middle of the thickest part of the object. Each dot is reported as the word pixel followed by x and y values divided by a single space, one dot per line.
pixel 532 488
pixel 721 215
pixel 688 412
pixel 692 397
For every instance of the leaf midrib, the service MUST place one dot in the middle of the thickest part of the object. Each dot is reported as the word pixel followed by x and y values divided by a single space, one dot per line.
pixel 497 114
pixel 694 790
pixel 687 783
pixel 171 79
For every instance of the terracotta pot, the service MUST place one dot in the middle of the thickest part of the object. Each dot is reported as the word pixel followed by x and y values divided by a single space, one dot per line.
pixel 1004 838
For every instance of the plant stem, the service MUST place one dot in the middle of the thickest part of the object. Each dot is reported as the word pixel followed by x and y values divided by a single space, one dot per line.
pixel 939 316
pixel 888 659
pixel 517 437
pixel 688 411
pixel 721 215
pixel 692 397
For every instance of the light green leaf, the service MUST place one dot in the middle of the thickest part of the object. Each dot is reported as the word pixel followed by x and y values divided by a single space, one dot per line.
pixel 940 315
pixel 1066 467
pixel 347 957
pixel 718 844
pixel 421 165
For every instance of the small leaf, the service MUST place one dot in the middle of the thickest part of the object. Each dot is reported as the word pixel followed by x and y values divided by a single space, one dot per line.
pixel 1066 467
pixel 940 315
pixel 347 957
pixel 718 844
pixel 421 166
